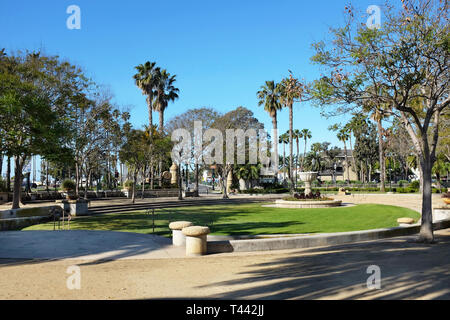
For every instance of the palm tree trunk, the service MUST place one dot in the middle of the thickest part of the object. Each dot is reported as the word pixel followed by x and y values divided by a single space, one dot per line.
pixel 296 165
pixel 275 139
pixel 291 146
pixel 351 150
pixel 150 113
pixel 161 121
pixel 284 161
pixel 346 162
pixel 304 155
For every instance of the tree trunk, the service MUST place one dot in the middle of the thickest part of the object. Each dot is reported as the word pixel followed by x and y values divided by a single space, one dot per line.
pixel 161 121
pixel 77 178
pixel 351 150
pixel 275 145
pixel 46 177
pixel 152 174
pixel 224 187
pixel 1 163
pixel 296 164
pixel 160 173
pixel 143 183
pixel 304 155
pixel 180 182
pixel 381 156
pixel 426 228
pixel 284 162
pixel 346 162
pixel 17 182
pixel 291 147
pixel 196 191
pixel 133 196
pixel 8 174
pixel 88 176
pixel 150 114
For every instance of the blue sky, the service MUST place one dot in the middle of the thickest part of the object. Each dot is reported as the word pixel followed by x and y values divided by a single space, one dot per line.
pixel 221 51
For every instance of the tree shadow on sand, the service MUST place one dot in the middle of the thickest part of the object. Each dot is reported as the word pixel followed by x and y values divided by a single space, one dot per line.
pixel 408 271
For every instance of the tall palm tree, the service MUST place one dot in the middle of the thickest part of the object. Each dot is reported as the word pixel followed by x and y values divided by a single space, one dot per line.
pixel 270 98
pixel 305 134
pixel 291 89
pixel 145 80
pixel 165 92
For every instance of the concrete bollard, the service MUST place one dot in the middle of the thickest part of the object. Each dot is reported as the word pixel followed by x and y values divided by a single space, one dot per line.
pixel 196 240
pixel 178 238
pixel 405 222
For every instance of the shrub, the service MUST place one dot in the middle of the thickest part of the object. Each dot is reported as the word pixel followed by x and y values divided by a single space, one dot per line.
pixel 68 185
pixel 442 190
pixel 128 184
pixel 415 184
pixel 401 183
pixel 406 190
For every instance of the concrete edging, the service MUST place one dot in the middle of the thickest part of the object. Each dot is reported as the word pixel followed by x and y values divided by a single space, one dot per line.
pixel 320 240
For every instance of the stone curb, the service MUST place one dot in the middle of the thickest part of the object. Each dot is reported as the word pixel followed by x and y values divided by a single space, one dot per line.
pixel 321 240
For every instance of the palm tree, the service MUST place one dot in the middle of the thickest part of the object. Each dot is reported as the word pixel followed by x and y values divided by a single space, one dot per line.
pixel 145 80
pixel 290 90
pixel 305 134
pixel 165 92
pixel 270 98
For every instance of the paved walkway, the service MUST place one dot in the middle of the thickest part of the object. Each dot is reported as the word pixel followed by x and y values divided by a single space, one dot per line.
pixel 408 271
pixel 85 245
pixel 411 201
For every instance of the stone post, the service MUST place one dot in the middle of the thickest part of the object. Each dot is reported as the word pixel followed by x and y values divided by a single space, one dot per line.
pixel 174 173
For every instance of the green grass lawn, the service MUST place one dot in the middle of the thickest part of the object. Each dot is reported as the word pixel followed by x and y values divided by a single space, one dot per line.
pixel 248 219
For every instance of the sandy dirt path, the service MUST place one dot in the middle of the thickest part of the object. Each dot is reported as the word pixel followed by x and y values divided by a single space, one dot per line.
pixel 408 271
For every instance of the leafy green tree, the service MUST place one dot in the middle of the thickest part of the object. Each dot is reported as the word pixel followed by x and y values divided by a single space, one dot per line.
pixel 240 118
pixel 34 90
pixel 133 154
pixel 187 120
pixel 403 66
